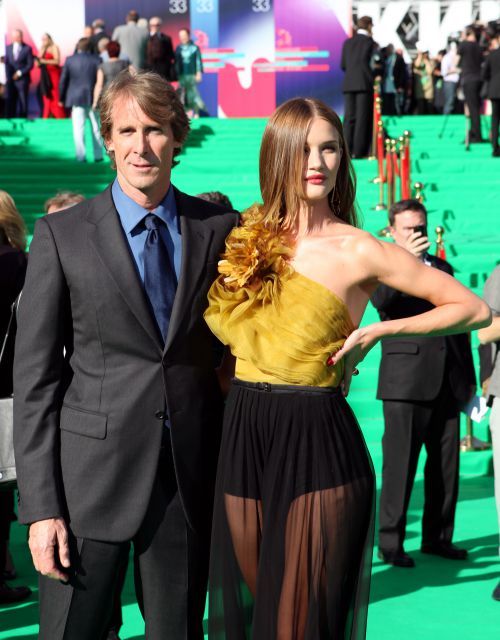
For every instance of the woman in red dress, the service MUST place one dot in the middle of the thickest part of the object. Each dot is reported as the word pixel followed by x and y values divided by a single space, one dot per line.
pixel 50 70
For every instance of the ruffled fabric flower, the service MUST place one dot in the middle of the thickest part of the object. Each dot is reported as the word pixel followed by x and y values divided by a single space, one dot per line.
pixel 256 257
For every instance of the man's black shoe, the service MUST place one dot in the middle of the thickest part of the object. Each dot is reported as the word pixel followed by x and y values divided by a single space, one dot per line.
pixel 496 593
pixel 396 558
pixel 9 595
pixel 496 152
pixel 445 550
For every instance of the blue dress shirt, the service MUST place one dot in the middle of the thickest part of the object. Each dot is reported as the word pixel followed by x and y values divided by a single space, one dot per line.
pixel 131 214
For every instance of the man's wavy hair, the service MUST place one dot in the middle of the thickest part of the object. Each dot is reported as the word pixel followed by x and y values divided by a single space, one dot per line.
pixel 154 95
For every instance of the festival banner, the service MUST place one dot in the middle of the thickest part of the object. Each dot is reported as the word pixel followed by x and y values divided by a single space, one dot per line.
pixel 246 42
pixel 205 33
pixel 309 39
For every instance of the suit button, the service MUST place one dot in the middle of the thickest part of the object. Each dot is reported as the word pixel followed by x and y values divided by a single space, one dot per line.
pixel 160 415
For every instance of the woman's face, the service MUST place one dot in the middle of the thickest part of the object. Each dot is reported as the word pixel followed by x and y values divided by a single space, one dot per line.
pixel 322 155
pixel 45 40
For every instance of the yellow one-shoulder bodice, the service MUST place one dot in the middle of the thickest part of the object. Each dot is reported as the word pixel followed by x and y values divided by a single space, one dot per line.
pixel 286 340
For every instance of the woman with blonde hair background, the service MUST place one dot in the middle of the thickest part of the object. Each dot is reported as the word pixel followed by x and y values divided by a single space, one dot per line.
pixel 12 272
pixel 292 531
pixel 49 61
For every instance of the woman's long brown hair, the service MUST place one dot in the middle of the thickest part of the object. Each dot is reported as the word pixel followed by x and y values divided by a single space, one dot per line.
pixel 12 226
pixel 281 164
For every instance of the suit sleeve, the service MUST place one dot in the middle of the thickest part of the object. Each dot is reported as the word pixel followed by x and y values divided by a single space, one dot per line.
pixel 38 375
pixel 169 49
pixel 28 65
pixel 486 70
pixel 63 83
pixel 343 58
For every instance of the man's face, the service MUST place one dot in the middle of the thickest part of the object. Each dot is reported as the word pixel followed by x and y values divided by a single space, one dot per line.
pixel 17 36
pixel 154 25
pixel 143 151
pixel 404 225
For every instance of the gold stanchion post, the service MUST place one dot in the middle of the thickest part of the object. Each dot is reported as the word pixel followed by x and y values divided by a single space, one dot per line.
pixel 389 146
pixel 419 188
pixel 440 242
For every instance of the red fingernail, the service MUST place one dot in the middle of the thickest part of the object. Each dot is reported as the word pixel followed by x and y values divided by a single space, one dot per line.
pixel 329 362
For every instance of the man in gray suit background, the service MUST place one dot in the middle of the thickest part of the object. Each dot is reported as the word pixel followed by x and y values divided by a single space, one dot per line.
pixel 117 404
pixel 133 40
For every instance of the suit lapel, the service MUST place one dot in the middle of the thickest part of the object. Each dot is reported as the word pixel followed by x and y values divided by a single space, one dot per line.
pixel 196 238
pixel 107 236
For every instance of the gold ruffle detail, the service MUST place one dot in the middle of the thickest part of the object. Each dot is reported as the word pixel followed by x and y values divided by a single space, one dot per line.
pixel 256 257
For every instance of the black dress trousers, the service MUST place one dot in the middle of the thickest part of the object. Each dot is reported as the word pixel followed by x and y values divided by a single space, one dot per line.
pixel 409 426
pixel 170 570
pixel 358 122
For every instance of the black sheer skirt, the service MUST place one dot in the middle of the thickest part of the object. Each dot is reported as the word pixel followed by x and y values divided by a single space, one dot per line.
pixel 293 519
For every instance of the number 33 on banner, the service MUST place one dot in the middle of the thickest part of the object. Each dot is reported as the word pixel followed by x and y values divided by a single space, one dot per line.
pixel 261 6
pixel 177 6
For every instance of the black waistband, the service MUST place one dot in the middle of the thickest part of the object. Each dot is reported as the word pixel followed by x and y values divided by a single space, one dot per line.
pixel 285 388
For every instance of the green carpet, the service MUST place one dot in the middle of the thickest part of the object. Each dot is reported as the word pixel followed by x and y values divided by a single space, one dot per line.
pixel 438 599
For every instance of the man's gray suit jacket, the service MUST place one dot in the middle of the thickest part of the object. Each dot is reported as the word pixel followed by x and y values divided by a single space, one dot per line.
pixel 93 380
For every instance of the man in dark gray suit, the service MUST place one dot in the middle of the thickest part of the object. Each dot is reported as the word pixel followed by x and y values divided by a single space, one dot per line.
pixel 117 403
pixel 76 90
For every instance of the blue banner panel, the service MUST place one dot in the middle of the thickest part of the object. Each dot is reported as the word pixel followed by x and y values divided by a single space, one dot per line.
pixel 205 33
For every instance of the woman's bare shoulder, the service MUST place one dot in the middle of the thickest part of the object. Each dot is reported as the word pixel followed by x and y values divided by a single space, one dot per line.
pixel 358 240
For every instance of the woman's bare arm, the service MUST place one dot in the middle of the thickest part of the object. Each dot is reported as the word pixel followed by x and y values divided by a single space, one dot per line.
pixel 457 309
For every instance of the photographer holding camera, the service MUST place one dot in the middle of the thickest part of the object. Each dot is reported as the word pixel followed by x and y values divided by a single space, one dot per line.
pixel 423 382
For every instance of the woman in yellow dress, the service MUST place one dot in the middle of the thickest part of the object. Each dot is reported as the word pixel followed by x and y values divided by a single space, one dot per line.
pixel 292 530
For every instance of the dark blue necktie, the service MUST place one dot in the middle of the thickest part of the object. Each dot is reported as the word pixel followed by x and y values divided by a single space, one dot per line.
pixel 160 281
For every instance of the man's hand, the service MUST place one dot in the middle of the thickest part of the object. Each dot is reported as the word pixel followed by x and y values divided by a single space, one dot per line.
pixel 417 244
pixel 48 543
pixel 198 77
pixel 17 75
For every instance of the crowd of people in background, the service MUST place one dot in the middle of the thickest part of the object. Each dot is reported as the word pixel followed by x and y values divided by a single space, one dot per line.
pixel 136 45
pixel 457 79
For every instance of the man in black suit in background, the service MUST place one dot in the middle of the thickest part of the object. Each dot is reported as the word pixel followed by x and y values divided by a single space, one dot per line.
pixel 18 64
pixel 491 75
pixel 471 59
pixel 423 383
pixel 159 51
pixel 359 64
pixel 117 406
